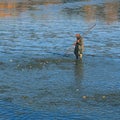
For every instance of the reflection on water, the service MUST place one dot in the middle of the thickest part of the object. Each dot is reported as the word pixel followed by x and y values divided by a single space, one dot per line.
pixel 11 8
pixel 110 10
pixel 79 79
pixel 79 69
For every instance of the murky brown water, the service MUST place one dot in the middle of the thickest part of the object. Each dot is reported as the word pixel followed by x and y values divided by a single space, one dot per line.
pixel 39 76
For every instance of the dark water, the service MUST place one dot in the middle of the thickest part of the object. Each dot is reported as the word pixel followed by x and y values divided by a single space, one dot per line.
pixel 39 76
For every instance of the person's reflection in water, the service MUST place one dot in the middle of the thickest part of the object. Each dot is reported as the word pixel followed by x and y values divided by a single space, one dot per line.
pixel 78 74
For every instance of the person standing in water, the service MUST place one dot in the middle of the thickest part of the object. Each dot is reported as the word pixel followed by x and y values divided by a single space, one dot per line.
pixel 79 47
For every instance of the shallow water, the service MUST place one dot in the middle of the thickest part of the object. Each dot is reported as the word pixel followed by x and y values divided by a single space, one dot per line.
pixel 39 76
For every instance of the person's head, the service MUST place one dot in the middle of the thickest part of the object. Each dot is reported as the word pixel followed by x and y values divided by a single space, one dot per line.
pixel 78 36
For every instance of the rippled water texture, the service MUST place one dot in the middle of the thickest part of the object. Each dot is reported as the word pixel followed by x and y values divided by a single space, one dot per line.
pixel 39 76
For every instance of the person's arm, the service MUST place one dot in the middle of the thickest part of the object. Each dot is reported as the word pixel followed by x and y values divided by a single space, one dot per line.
pixel 74 43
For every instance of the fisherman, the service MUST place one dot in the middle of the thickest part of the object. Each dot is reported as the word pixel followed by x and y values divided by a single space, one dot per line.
pixel 79 47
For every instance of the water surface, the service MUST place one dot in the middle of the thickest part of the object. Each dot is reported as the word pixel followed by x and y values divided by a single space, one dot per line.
pixel 39 76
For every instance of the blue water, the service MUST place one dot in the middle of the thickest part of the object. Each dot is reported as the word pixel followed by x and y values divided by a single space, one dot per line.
pixel 39 75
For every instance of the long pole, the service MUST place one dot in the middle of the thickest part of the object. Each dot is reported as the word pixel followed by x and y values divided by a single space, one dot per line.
pixel 85 33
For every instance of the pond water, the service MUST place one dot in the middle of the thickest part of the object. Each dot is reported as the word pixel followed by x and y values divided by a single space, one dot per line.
pixel 39 75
